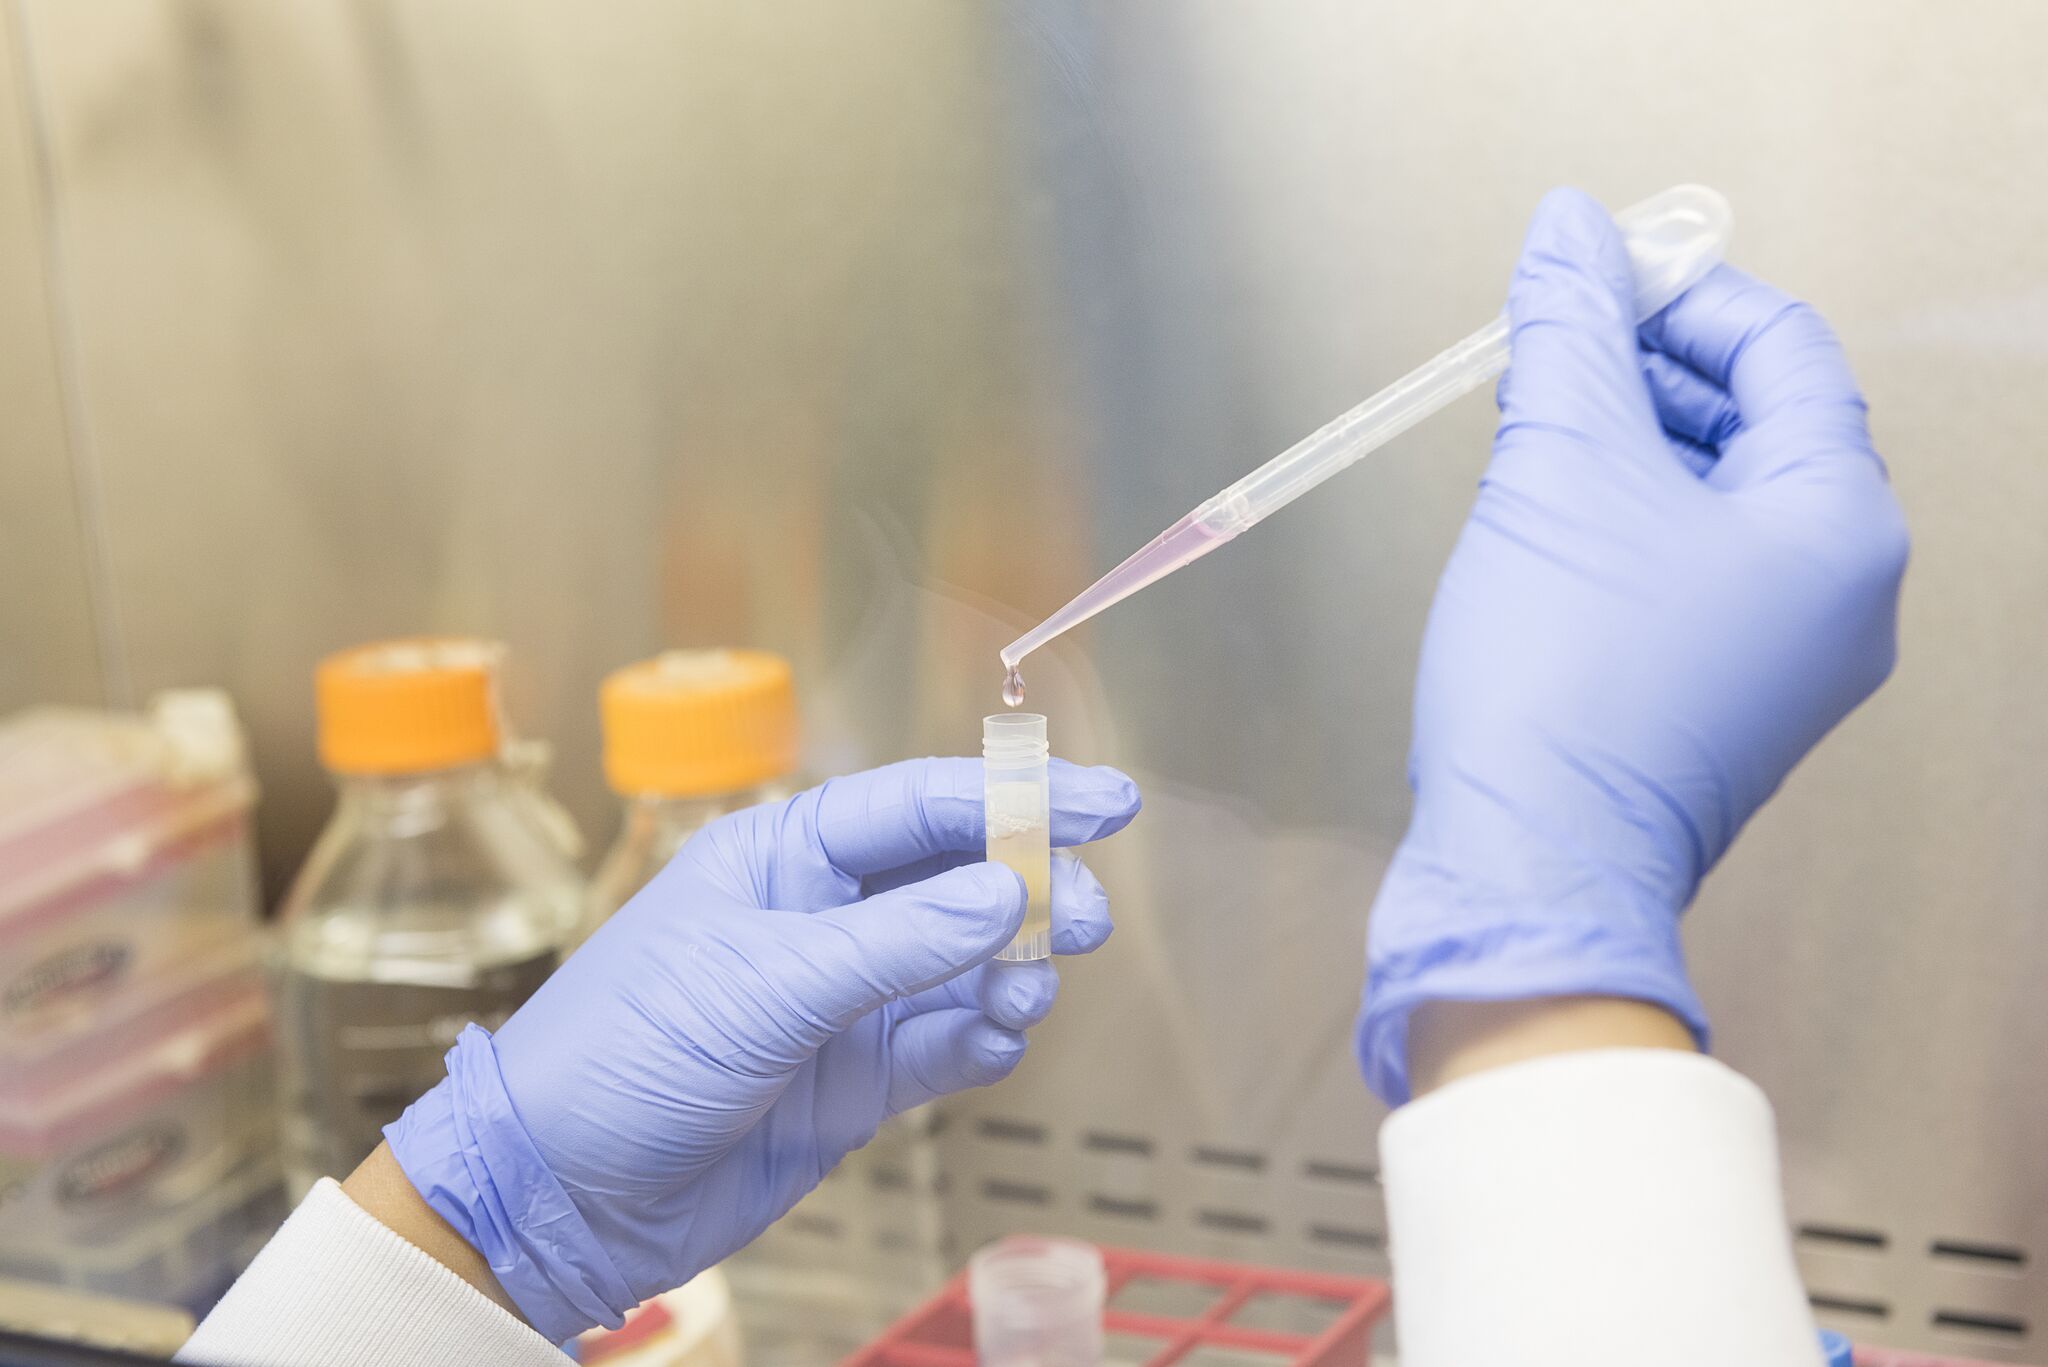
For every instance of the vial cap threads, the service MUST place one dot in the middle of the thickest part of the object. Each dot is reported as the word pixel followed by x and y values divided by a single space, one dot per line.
pixel 1014 738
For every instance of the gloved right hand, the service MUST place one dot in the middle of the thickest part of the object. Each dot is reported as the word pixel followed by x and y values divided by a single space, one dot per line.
pixel 1682 569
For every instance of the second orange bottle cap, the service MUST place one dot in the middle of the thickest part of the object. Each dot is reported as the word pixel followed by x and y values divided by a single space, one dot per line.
pixel 690 723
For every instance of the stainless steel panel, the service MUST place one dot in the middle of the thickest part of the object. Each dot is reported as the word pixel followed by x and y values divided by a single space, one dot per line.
pixel 872 332
pixel 48 646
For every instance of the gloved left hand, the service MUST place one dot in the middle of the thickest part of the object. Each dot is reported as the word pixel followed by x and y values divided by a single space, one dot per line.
pixel 800 972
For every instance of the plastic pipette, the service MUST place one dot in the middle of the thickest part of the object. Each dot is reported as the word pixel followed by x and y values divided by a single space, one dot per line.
pixel 1673 239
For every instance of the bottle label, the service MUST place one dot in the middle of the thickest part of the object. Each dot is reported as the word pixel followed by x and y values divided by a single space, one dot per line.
pixel 361 1052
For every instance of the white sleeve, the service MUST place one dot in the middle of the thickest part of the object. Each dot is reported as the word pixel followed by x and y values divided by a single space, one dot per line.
pixel 334 1288
pixel 1598 1209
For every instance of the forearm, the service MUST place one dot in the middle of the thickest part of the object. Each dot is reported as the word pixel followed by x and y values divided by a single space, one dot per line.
pixel 1448 1040
pixel 382 1189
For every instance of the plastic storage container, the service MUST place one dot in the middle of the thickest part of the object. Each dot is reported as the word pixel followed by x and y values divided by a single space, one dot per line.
pixel 440 893
pixel 136 1136
pixel 188 1261
pixel 153 1173
pixel 126 882
pixel 137 1150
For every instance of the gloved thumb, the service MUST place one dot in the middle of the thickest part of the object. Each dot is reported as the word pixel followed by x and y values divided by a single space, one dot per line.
pixel 905 940
pixel 1574 370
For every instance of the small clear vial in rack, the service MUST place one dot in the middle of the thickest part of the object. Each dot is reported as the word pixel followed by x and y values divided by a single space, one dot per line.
pixel 1019 826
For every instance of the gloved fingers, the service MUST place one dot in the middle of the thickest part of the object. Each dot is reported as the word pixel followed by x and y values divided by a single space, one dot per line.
pixel 901 813
pixel 923 809
pixel 1080 908
pixel 928 867
pixel 1777 358
pixel 943 1052
pixel 1575 370
pixel 1016 996
pixel 1089 802
pixel 853 959
pixel 1690 405
pixel 1019 995
pixel 1834 501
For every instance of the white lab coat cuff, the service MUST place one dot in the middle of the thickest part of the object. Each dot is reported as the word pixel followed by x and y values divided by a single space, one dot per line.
pixel 1598 1209
pixel 335 1288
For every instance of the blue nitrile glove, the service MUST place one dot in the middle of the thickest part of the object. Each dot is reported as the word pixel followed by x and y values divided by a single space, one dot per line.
pixel 1681 570
pixel 798 973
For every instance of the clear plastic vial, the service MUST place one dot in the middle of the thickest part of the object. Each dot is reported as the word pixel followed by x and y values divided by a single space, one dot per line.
pixel 1018 817
pixel 1037 1303
pixel 435 896
pixel 689 736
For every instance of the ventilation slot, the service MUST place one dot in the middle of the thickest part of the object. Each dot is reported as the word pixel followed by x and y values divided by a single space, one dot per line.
pixel 1124 1210
pixel 1011 1131
pixel 1236 1222
pixel 889 1179
pixel 1849 1305
pixel 1343 1236
pixel 1352 1173
pixel 1103 1142
pixel 815 1226
pixel 1244 1160
pixel 1980 1324
pixel 1844 1237
pixel 1997 1255
pixel 1017 1193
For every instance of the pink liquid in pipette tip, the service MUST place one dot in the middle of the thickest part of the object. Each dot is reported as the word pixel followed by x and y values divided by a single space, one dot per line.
pixel 1185 542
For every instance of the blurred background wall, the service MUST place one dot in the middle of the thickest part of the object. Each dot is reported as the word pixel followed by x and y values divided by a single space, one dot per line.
pixel 870 333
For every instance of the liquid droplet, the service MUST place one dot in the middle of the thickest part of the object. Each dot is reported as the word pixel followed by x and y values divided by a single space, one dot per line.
pixel 1013 688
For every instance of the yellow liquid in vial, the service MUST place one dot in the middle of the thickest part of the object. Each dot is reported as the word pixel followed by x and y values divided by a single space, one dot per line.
pixel 1019 836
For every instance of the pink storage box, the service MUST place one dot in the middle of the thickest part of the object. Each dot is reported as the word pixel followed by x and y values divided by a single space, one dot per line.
pixel 139 1133
pixel 126 882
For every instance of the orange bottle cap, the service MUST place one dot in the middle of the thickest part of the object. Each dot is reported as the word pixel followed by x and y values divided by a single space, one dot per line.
pixel 690 723
pixel 408 706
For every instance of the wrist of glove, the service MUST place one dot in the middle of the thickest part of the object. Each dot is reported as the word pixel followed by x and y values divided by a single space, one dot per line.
pixel 1522 920
pixel 464 1150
